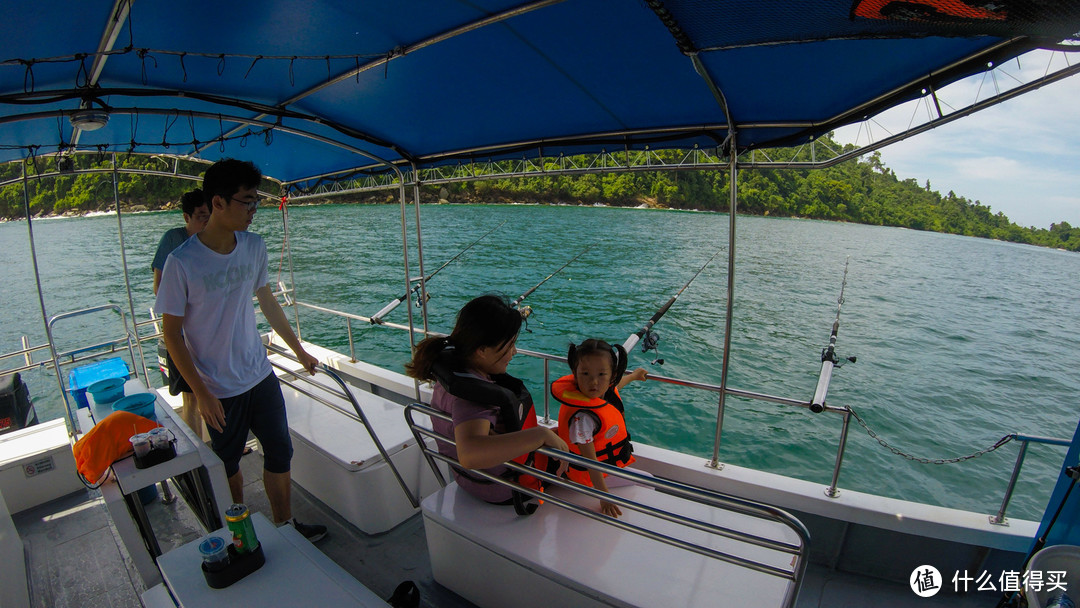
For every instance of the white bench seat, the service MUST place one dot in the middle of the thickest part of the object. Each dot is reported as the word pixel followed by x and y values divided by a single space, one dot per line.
pixel 335 458
pixel 555 557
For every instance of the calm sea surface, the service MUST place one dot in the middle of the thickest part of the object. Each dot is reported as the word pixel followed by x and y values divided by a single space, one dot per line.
pixel 959 340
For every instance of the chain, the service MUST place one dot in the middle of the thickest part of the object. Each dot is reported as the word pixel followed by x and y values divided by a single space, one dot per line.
pixel 898 452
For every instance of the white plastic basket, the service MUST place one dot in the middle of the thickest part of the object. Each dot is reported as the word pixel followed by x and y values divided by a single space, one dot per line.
pixel 1058 558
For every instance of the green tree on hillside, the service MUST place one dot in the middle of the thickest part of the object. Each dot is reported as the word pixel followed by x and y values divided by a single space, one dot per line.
pixel 863 190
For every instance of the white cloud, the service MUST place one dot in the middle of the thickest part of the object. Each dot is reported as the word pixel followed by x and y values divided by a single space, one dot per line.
pixel 1021 157
pixel 989 168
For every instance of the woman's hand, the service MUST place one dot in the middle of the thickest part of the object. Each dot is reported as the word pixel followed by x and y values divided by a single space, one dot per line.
pixel 552 440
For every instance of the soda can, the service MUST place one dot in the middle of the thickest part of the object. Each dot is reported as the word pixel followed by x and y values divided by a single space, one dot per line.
pixel 238 519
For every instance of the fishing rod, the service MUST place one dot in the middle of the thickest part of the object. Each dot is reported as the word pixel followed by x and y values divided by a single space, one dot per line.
pixel 829 360
pixel 526 311
pixel 377 317
pixel 650 338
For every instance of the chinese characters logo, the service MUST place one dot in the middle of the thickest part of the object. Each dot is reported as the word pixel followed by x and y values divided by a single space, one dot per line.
pixel 925 581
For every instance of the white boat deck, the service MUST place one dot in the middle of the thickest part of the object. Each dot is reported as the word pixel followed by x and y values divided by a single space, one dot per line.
pixel 76 559
pixel 75 556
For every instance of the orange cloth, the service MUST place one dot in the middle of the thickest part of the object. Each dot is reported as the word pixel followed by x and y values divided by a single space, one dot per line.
pixel 107 442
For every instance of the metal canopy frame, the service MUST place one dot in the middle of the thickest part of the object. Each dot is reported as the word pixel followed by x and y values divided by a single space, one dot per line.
pixel 813 154
pixel 595 58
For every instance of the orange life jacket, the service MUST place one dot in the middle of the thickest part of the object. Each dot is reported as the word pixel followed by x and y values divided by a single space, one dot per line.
pixel 515 405
pixel 931 11
pixel 612 440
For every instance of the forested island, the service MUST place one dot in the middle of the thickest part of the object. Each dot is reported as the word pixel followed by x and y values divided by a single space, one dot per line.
pixel 863 191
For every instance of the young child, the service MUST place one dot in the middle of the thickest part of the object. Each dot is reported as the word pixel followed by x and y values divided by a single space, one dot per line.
pixel 591 418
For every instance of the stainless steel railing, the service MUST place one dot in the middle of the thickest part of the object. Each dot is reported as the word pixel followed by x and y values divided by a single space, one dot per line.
pixel 129 338
pixel 28 351
pixel 1024 440
pixel 845 412
pixel 344 394
pixel 798 550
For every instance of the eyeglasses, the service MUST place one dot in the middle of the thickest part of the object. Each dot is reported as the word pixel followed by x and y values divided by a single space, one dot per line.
pixel 253 203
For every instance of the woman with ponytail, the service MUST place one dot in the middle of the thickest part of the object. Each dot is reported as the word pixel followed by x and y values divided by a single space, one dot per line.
pixel 493 417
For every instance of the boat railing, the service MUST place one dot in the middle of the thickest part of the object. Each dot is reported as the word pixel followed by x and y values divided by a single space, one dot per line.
pixel 343 393
pixel 27 352
pixel 999 518
pixel 427 438
pixel 77 355
pixel 831 491
pixel 349 317
pixel 128 339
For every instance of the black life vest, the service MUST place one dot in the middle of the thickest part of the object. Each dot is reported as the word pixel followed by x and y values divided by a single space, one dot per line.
pixel 515 413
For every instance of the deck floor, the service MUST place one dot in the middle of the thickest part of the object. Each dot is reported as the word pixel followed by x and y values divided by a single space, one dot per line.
pixel 76 558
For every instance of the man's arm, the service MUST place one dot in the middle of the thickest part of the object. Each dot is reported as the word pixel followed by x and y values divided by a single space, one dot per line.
pixel 276 317
pixel 157 279
pixel 209 405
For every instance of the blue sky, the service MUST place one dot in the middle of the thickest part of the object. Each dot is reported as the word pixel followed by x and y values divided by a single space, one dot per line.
pixel 1021 157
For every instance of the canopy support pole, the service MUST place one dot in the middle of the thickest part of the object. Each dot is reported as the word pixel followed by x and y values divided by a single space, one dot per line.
pixel 420 251
pixel 733 180
pixel 733 167
pixel 69 417
pixel 127 277
pixel 408 283
pixel 295 297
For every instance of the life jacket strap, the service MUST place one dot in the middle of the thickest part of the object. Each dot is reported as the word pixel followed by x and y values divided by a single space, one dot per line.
pixel 617 453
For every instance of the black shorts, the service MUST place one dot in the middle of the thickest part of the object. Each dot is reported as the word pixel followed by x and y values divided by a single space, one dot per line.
pixel 261 411
pixel 177 384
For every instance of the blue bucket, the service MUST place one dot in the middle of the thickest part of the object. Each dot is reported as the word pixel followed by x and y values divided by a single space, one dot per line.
pixel 107 391
pixel 81 378
pixel 148 494
pixel 140 404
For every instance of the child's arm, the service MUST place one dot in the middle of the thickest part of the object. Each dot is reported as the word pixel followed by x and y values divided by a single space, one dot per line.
pixel 637 374
pixel 588 450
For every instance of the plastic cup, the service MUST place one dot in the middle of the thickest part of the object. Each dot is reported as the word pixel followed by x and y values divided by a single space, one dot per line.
pixel 141 443
pixel 215 553
pixel 160 438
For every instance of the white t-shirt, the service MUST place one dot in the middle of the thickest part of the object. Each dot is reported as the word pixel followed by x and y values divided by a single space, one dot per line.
pixel 583 427
pixel 212 292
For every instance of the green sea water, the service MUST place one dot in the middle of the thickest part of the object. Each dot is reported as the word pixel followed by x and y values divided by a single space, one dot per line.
pixel 959 340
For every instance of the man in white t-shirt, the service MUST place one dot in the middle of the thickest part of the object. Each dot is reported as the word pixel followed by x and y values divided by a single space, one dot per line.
pixel 209 326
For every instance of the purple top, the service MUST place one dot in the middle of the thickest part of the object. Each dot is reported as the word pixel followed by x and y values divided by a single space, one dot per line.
pixel 464 411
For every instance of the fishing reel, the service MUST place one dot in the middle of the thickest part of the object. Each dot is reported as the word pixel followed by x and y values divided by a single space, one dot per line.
pixel 525 312
pixel 829 354
pixel 419 302
pixel 649 342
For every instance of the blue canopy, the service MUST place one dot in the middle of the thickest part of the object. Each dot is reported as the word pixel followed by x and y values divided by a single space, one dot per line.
pixel 303 87
pixel 312 89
